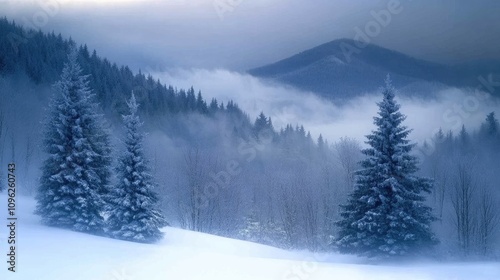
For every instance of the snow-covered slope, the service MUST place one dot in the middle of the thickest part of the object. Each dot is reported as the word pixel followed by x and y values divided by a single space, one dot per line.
pixel 53 254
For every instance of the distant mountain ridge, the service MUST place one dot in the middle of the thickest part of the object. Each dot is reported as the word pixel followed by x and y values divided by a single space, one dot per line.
pixel 335 73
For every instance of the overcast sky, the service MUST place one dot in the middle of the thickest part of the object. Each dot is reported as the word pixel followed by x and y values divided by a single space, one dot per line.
pixel 241 34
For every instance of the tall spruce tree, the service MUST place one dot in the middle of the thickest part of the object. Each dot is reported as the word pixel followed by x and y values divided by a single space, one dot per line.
pixel 385 215
pixel 76 173
pixel 132 202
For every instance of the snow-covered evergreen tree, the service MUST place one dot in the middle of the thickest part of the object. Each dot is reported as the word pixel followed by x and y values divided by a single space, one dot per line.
pixel 263 125
pixel 490 128
pixel 269 232
pixel 132 202
pixel 76 173
pixel 385 215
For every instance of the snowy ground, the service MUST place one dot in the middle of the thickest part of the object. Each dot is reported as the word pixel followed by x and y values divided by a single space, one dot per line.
pixel 53 254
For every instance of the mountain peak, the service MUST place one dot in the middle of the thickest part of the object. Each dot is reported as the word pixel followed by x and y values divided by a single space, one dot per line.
pixel 343 68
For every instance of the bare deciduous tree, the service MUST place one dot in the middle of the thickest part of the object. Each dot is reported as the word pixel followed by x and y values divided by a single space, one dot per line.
pixel 195 173
pixel 440 174
pixel 348 152
pixel 463 203
pixel 488 221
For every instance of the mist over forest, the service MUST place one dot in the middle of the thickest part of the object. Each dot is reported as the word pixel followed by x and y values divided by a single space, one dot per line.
pixel 252 159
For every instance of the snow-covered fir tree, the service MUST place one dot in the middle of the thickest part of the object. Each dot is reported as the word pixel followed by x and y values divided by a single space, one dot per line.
pixel 265 232
pixel 76 173
pixel 385 215
pixel 133 213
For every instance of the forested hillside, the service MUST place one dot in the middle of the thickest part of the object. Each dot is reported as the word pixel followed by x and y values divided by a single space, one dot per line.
pixel 41 57
pixel 345 68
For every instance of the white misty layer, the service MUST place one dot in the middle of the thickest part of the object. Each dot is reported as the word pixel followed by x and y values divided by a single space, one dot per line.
pixel 53 254
pixel 286 105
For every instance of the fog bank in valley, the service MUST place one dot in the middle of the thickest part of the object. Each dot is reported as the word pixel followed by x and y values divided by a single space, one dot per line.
pixel 449 110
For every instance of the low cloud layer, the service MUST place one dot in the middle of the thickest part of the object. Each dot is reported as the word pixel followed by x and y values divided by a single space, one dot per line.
pixel 242 34
pixel 451 108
